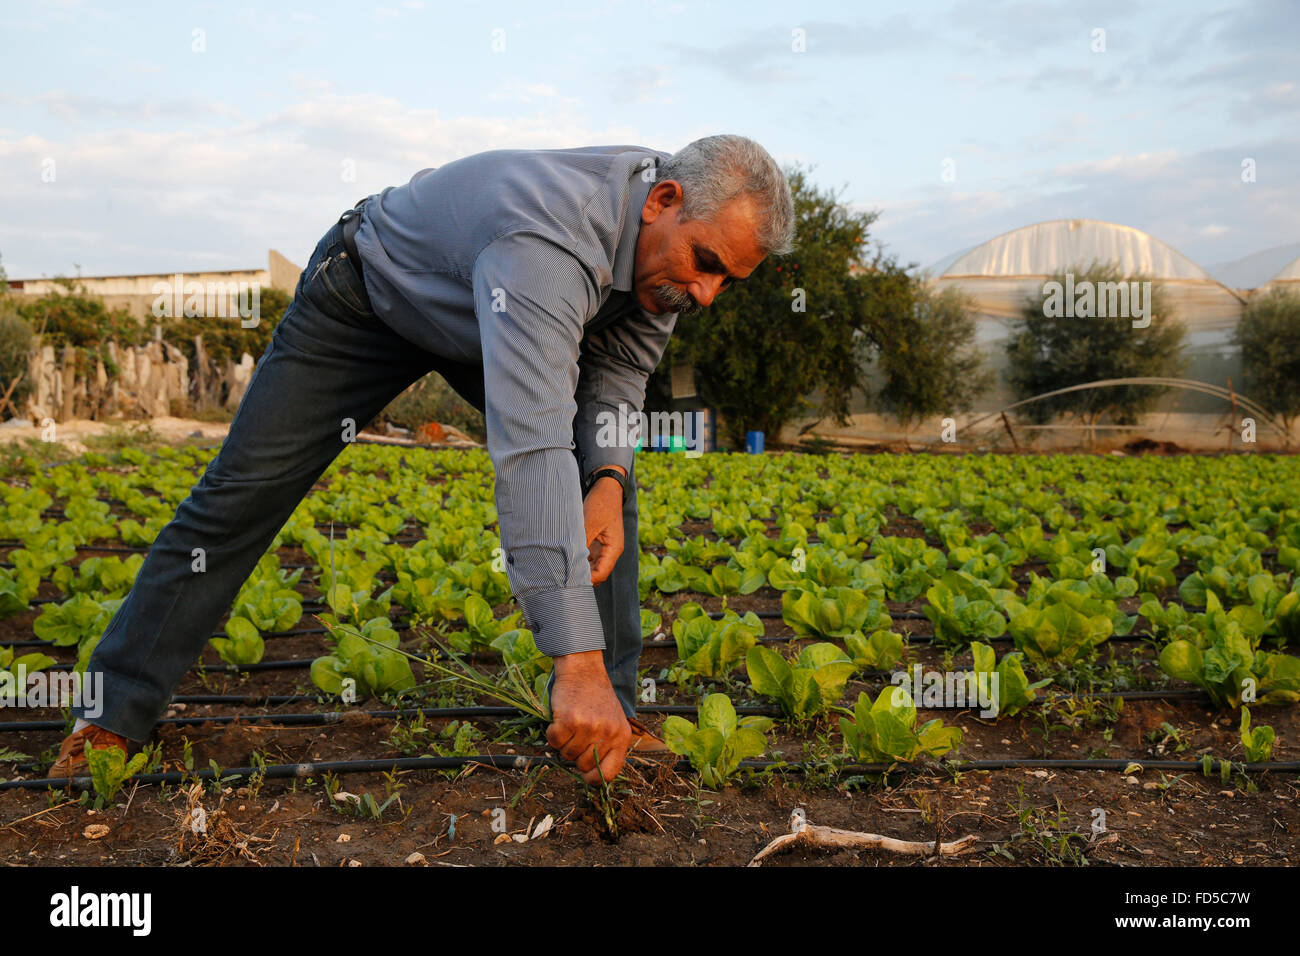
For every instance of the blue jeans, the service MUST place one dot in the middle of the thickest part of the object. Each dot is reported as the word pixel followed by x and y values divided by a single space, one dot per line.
pixel 330 358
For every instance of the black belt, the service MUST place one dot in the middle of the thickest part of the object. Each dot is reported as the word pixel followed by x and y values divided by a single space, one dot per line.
pixel 351 221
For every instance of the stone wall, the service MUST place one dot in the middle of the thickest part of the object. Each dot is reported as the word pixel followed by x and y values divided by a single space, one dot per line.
pixel 66 384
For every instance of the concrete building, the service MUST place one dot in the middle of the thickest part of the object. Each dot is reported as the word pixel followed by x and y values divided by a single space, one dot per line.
pixel 137 294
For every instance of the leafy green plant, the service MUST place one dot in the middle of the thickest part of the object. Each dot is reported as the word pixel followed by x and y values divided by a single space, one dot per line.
pixel 481 626
pixel 880 651
pixel 963 609
pixel 832 612
pixel 520 652
pixel 269 605
pixel 721 579
pixel 651 621
pixel 368 655
pixel 1059 633
pixel 242 645
pixel 99 577
pixel 906 566
pixel 1257 741
pixel 1286 619
pixel 1147 559
pixel 885 731
pixel 1014 692
pixel 430 599
pixel 1228 665
pixel 31 663
pixel 109 769
pixel 75 620
pixel 812 686
pixel 712 648
pixel 720 742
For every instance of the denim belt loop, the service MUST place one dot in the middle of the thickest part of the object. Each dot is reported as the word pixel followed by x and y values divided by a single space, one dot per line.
pixel 351 222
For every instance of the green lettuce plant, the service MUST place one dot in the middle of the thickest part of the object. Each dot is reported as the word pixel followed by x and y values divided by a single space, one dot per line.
pixel 242 645
pixel 368 655
pixel 720 742
pixel 99 577
pixel 16 592
pixel 1014 691
pixel 270 606
pixel 109 769
pixel 1147 559
pixel 31 663
pixel 651 621
pixel 519 651
pixel 721 579
pixel 1059 633
pixel 963 610
pixel 1257 741
pixel 833 612
pixel 1227 667
pixel 75 620
pixel 885 731
pixel 877 652
pixel 712 648
pixel 812 686
pixel 481 626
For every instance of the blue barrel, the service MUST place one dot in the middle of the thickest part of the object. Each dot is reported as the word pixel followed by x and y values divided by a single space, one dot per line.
pixel 754 443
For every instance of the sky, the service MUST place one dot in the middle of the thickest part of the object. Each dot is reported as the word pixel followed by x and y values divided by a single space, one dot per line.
pixel 143 138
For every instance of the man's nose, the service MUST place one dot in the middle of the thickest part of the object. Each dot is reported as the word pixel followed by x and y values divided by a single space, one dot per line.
pixel 705 290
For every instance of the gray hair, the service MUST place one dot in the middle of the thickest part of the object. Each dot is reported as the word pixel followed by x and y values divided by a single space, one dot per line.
pixel 717 169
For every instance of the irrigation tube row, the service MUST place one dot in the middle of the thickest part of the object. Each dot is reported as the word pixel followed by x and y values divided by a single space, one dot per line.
pixel 319 718
pixel 715 615
pixel 520 762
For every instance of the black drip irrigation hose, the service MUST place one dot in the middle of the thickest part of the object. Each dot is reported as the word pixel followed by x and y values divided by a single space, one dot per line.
pixel 521 762
pixel 297 632
pixel 321 718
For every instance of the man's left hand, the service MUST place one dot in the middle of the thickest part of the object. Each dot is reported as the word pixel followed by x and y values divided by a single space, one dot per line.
pixel 602 511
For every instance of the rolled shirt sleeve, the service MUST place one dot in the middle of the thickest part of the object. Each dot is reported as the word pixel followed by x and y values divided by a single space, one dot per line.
pixel 532 298
pixel 614 365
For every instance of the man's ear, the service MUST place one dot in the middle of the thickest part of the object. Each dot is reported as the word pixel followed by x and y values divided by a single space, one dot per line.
pixel 664 195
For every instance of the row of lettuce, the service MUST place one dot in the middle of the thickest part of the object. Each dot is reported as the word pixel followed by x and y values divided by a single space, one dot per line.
pixel 1208 549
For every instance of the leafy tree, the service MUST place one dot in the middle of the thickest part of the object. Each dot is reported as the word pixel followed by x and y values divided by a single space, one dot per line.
pixel 928 358
pixel 1048 351
pixel 73 317
pixel 16 343
pixel 802 325
pixel 1269 338
pixel 225 338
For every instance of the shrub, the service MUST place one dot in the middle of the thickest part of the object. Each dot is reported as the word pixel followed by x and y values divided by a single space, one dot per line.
pixel 16 344
pixel 431 399
pixel 1269 338
pixel 1048 352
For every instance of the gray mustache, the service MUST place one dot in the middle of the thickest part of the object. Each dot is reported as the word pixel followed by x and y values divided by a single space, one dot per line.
pixel 678 299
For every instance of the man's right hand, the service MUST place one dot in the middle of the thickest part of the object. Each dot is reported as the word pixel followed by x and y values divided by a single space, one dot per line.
pixel 586 718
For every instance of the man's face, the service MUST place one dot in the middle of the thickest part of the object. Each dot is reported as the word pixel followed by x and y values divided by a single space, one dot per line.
pixel 682 266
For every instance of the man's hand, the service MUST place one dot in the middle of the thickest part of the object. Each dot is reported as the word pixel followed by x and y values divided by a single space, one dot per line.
pixel 602 512
pixel 587 720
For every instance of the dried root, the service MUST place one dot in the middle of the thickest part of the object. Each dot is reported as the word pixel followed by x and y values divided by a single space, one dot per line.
pixel 803 833
pixel 209 837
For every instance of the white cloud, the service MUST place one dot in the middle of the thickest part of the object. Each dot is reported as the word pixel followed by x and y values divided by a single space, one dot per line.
pixel 220 191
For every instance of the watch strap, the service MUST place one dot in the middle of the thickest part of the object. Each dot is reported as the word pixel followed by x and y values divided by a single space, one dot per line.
pixel 601 473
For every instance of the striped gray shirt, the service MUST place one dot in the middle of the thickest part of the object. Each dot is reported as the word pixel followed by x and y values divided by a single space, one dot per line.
pixel 521 262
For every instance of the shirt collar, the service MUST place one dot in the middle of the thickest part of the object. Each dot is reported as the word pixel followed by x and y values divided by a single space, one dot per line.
pixel 625 253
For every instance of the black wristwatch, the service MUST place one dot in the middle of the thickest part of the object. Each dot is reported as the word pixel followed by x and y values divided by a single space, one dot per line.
pixel 601 473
